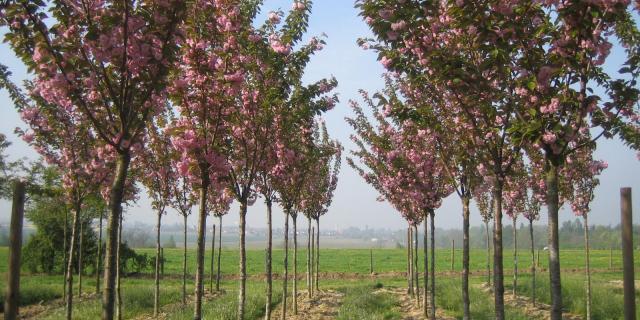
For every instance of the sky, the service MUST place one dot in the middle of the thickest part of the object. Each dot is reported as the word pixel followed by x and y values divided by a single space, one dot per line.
pixel 355 203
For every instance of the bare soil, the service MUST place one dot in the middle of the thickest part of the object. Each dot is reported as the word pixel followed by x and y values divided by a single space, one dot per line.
pixel 324 305
pixel 408 307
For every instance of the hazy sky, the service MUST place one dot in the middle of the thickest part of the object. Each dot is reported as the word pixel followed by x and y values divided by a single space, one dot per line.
pixel 355 202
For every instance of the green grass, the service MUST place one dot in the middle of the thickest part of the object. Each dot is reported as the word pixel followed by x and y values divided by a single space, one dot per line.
pixel 361 303
pixel 357 260
pixel 606 299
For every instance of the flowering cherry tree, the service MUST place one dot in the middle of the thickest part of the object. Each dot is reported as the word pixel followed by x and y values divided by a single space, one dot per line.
pixel 317 196
pixel 105 63
pixel 440 50
pixel 485 206
pixel 580 178
pixel 404 168
pixel 63 140
pixel 158 175
pixel 515 198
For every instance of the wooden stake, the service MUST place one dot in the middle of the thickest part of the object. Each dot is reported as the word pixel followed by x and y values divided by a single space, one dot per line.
pixel 627 254
pixel 370 261
pixel 453 253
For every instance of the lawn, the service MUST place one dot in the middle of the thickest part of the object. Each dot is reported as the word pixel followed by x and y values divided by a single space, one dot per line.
pixel 358 302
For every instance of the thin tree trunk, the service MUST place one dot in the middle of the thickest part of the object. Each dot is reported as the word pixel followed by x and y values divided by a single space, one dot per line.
pixel 486 226
pixel 99 255
pixel 409 276
pixel 295 263
pixel 415 265
pixel 533 263
pixel 498 271
pixel 66 258
pixel 465 257
pixel 200 249
pixel 554 248
pixel 243 261
pixel 184 261
pixel 80 241
pixel 219 252
pixel 267 314
pixel 286 266
pixel 72 244
pixel 411 271
pixel 433 266
pixel 156 292
pixel 213 257
pixel 309 272
pixel 119 272
pixel 318 254
pixel 515 257
pixel 587 264
pixel 313 255
pixel 425 302
pixel 115 206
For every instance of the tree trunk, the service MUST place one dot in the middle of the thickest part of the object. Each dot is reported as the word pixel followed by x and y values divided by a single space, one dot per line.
pixel 74 234
pixel 80 242
pixel 317 254
pixel 486 226
pixel 286 266
pixel 515 257
pixel 465 257
pixel 433 266
pixel 184 261
pixel 554 247
pixel 267 313
pixel 416 270
pixel 66 258
pixel 295 263
pixel 200 248
pixel 213 257
pixel 498 271
pixel 12 297
pixel 243 260
pixel 119 271
pixel 587 264
pixel 156 292
pixel 99 255
pixel 115 207
pixel 309 256
pixel 409 276
pixel 533 263
pixel 425 299
pixel 411 271
pixel 313 257
pixel 219 252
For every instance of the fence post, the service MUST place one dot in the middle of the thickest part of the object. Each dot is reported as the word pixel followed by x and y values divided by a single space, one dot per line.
pixel 453 253
pixel 371 261
pixel 611 258
pixel 538 259
pixel 15 250
pixel 626 222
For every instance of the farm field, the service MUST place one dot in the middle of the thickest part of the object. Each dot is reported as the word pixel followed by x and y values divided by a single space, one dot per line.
pixel 358 295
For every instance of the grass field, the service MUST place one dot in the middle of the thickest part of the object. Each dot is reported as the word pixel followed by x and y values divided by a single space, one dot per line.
pixel 359 300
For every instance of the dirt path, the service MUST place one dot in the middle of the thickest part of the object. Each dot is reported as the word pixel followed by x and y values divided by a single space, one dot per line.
pixel 323 306
pixel 36 311
pixel 408 307
pixel 525 305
